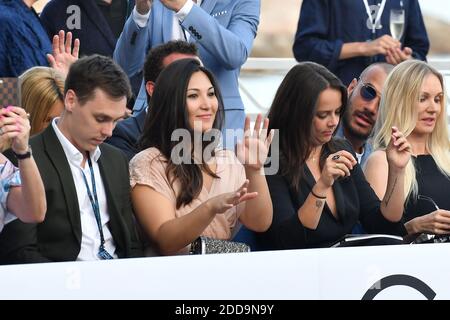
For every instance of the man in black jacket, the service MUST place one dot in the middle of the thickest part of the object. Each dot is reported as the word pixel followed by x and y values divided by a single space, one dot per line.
pixel 89 214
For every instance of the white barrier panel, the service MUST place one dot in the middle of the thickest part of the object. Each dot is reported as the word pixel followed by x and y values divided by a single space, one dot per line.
pixel 408 272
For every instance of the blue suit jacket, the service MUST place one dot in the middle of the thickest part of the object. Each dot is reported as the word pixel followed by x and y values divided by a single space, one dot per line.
pixel 127 133
pixel 95 34
pixel 223 30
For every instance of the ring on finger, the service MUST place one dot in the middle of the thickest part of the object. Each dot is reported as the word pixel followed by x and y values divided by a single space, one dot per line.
pixel 335 157
pixel 337 166
pixel 1 131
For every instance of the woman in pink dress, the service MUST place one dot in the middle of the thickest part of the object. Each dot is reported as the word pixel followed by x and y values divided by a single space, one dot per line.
pixel 183 186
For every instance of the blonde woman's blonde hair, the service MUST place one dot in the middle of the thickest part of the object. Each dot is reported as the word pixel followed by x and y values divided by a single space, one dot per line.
pixel 398 107
pixel 40 88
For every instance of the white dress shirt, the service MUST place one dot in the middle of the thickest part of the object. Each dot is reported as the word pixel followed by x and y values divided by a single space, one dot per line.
pixel 177 31
pixel 90 235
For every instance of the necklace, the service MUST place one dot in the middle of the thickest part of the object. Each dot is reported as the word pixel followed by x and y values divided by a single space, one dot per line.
pixel 314 155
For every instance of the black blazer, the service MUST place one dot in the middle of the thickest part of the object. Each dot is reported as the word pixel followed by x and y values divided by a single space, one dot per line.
pixel 58 238
pixel 355 200
pixel 127 133
pixel 95 34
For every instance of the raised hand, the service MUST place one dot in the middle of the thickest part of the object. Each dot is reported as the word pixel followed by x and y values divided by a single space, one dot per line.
pixel 14 125
pixel 226 201
pixel 398 151
pixel 337 165
pixel 63 55
pixel 252 152
pixel 143 6
pixel 174 5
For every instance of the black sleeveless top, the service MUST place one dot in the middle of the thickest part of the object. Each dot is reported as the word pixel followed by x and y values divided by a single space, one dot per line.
pixel 431 183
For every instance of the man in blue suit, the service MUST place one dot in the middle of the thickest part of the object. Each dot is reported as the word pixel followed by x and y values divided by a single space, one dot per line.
pixel 223 30
pixel 127 132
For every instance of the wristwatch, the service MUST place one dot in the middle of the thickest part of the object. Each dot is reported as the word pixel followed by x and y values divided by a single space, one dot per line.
pixel 23 156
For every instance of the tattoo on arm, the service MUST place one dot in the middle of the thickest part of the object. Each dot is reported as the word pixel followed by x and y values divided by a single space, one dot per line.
pixel 319 204
pixel 389 194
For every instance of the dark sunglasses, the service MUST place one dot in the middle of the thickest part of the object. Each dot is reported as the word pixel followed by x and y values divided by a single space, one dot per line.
pixel 368 92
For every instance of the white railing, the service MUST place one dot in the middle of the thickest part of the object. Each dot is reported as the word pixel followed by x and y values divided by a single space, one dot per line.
pixel 383 272
pixel 284 64
pixel 260 78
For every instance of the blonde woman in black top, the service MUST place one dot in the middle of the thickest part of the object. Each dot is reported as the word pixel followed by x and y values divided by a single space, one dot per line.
pixel 414 100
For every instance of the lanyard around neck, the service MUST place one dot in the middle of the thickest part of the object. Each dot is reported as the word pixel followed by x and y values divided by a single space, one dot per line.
pixel 95 207
pixel 378 17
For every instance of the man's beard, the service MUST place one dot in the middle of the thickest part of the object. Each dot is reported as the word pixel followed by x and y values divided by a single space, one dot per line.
pixel 355 134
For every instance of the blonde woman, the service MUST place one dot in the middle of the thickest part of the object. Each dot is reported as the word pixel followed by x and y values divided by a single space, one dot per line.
pixel 413 99
pixel 42 91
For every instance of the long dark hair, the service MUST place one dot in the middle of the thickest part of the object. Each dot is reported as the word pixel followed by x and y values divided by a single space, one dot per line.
pixel 168 112
pixel 293 110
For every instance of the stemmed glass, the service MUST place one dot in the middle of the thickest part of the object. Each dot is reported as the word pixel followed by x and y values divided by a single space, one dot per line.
pixel 397 23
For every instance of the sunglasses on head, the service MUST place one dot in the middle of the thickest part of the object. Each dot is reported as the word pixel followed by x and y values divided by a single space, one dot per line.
pixel 368 92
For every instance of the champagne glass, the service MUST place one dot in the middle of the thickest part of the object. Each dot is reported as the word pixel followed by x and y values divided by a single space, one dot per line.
pixel 397 23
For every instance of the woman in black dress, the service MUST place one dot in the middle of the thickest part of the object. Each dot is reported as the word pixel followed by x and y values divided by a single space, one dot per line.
pixel 320 192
